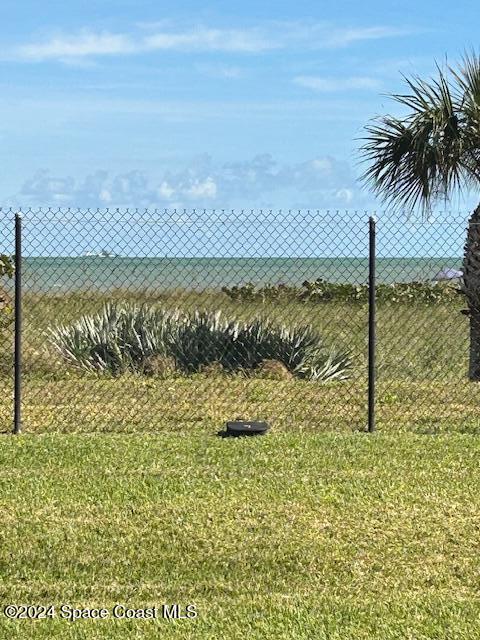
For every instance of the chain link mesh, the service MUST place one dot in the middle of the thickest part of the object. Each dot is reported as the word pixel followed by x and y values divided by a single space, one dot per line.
pixel 139 320
pixel 6 323
pixel 423 343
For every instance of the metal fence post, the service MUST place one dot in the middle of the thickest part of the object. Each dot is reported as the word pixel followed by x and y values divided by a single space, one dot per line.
pixel 371 322
pixel 17 417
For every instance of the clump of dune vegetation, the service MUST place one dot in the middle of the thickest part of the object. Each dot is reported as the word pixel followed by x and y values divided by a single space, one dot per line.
pixel 149 339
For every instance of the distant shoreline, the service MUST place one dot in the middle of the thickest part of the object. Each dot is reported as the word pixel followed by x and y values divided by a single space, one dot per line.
pixel 42 274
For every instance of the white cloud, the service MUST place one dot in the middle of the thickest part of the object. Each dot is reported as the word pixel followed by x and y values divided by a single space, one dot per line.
pixel 162 37
pixel 105 196
pixel 203 189
pixel 202 39
pixel 165 191
pixel 228 72
pixel 347 195
pixel 324 84
pixel 77 46
pixel 344 37
pixel 322 181
pixel 91 44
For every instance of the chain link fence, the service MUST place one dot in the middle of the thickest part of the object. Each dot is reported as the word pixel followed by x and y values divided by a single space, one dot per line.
pixel 423 341
pixel 137 320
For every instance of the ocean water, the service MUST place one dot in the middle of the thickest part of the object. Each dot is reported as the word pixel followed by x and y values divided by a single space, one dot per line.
pixel 91 273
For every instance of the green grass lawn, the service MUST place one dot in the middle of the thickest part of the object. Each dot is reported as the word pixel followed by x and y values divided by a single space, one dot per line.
pixel 293 535
pixel 202 404
pixel 120 491
pixel 415 340
pixel 422 361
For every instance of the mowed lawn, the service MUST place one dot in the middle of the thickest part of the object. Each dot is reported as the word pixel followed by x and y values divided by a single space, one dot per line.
pixel 290 535
pixel 120 491
pixel 422 364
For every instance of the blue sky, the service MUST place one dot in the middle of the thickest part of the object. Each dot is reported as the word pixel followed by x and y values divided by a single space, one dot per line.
pixel 182 104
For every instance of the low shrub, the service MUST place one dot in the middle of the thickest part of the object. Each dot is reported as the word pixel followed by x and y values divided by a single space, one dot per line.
pixel 7 267
pixel 7 270
pixel 249 292
pixel 118 339
pixel 6 310
pixel 321 290
pixel 202 338
pixel 150 340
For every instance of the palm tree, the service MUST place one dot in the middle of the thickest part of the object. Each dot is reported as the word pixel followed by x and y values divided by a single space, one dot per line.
pixel 433 150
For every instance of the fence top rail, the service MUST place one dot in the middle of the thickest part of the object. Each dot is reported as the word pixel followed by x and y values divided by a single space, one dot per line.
pixel 199 215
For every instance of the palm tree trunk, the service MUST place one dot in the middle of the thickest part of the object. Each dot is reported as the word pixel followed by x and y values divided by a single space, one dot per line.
pixel 471 288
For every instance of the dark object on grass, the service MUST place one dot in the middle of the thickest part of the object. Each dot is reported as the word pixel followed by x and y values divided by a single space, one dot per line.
pixel 246 428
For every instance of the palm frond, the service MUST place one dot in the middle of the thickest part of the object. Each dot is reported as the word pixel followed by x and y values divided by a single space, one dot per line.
pixel 432 150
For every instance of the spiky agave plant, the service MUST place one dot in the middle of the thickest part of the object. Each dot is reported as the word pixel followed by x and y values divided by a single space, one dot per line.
pixel 325 365
pixel 145 331
pixel 431 151
pixel 263 340
pixel 301 349
pixel 202 339
pixel 123 338
pixel 117 338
